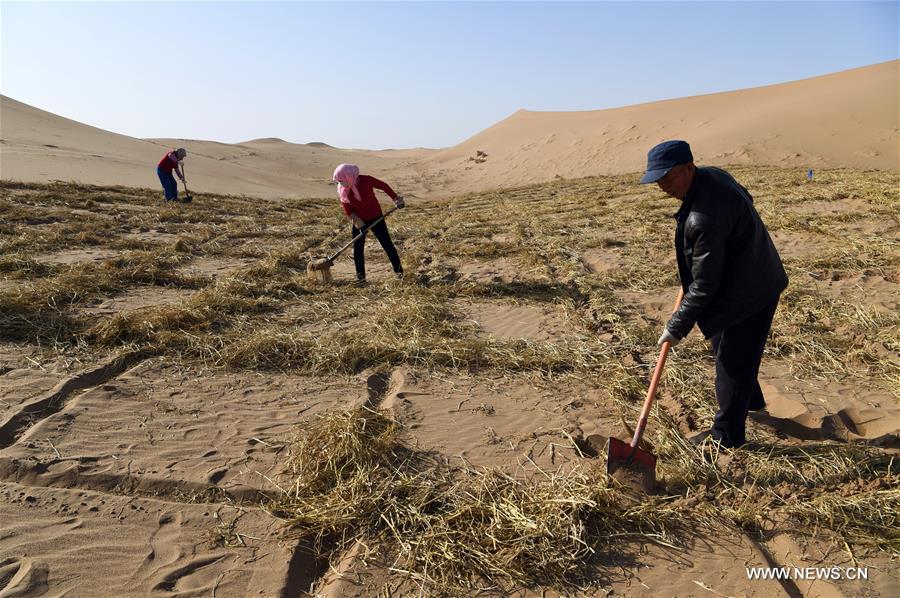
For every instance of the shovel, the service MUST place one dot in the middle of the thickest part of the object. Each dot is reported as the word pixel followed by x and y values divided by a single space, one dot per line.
pixel 627 462
pixel 187 196
pixel 320 269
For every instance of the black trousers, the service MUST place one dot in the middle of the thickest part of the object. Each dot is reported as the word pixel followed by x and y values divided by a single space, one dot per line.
pixel 384 237
pixel 739 351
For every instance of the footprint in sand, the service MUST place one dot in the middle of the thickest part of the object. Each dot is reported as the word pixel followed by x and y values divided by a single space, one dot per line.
pixel 376 386
pixel 216 475
pixel 195 577
pixel 398 391
pixel 602 261
pixel 393 393
pixel 23 577
pixel 172 568
pixel 387 391
pixel 790 417
pixel 869 424
pixel 164 549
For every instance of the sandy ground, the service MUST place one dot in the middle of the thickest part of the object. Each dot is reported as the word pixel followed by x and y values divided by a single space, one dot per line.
pixel 158 468
pixel 849 118
pixel 148 476
pixel 142 470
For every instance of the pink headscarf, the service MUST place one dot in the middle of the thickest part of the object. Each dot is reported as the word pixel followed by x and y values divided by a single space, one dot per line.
pixel 347 174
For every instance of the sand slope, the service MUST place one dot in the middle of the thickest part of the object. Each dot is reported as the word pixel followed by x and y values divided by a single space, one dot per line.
pixel 850 118
pixel 40 146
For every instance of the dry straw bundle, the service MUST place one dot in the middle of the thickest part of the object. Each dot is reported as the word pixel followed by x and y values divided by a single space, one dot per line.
pixel 452 530
pixel 351 480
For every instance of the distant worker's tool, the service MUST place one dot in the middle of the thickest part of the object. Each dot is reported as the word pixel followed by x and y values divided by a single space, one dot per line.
pixel 188 198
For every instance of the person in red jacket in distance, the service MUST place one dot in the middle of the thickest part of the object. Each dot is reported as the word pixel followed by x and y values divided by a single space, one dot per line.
pixel 357 193
pixel 171 161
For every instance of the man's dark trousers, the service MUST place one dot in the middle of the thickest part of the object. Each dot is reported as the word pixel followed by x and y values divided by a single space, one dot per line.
pixel 384 237
pixel 738 350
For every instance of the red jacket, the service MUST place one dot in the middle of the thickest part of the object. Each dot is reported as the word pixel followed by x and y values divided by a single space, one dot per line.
pixel 168 162
pixel 367 207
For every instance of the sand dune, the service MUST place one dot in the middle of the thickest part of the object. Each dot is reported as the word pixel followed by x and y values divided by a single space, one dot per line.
pixel 40 146
pixel 849 118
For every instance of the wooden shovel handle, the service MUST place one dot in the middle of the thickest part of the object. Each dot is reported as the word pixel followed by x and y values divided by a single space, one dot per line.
pixel 184 180
pixel 654 382
pixel 678 300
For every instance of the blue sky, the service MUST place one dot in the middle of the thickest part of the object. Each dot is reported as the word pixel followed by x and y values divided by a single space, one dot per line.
pixel 376 75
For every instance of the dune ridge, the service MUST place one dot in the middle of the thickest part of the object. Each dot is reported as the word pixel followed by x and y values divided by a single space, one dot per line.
pixel 849 118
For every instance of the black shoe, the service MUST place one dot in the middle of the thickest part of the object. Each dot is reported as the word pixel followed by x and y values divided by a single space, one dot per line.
pixel 360 282
pixel 761 406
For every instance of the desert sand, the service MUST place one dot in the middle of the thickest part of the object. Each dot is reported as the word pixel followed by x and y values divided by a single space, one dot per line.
pixel 843 119
pixel 158 362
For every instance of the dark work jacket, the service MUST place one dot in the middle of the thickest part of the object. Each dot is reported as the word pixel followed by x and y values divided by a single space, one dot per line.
pixel 728 265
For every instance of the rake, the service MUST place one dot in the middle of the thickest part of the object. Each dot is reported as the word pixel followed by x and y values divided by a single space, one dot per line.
pixel 320 269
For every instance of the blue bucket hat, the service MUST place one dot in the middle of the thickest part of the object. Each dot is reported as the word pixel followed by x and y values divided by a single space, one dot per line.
pixel 665 156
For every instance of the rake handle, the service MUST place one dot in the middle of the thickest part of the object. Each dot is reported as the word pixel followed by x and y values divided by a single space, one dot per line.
pixel 361 233
pixel 654 382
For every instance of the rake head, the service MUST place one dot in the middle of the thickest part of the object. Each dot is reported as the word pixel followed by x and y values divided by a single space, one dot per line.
pixel 319 270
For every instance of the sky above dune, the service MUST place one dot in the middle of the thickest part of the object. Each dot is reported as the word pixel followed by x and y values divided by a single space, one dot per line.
pixel 388 75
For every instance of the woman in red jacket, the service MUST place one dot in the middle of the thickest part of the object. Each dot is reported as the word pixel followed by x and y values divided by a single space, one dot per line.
pixel 357 192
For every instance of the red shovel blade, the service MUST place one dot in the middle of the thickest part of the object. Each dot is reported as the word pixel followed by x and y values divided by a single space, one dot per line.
pixel 630 465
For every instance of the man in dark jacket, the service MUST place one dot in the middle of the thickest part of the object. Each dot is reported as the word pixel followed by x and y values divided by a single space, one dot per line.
pixel 732 278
